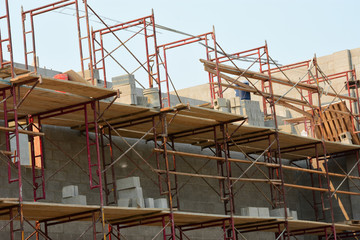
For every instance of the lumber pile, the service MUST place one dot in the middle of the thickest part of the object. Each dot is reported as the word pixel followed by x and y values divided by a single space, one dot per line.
pixel 235 84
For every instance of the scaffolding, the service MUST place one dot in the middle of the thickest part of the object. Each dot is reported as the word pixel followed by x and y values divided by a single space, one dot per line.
pixel 27 107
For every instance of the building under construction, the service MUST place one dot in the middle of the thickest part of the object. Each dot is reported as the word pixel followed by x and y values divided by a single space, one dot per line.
pixel 263 151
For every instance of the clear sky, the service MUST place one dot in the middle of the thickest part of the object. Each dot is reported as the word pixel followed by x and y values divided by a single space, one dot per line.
pixel 294 30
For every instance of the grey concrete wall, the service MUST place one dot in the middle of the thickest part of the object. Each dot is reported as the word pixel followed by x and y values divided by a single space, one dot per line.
pixel 195 194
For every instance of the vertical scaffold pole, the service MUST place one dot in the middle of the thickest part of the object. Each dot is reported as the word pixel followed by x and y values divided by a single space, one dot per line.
pixel 170 197
pixel 10 61
pixel 278 150
pixel 17 159
pixel 333 230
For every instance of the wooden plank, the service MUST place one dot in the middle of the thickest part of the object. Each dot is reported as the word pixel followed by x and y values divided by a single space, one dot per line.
pixel 334 118
pixel 258 76
pixel 271 181
pixel 296 120
pixel 330 121
pixel 67 86
pixel 320 189
pixel 229 79
pixel 296 109
pixel 25 79
pixel 74 76
pixel 276 97
pixel 330 109
pixel 340 119
pixel 321 166
pixel 7 153
pixel 341 96
pixel 31 133
pixel 326 128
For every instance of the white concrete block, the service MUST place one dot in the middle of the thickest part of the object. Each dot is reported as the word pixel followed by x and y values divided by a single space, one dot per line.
pixel 130 99
pixel 24 149
pixel 78 200
pixel 232 102
pixel 294 215
pixel 131 193
pixel 141 101
pixel 279 212
pixel 224 109
pixel 126 183
pixel 124 202
pixel 345 137
pixel 149 203
pixel 70 191
pixel 264 212
pixel 237 101
pixel 221 102
pixel 123 79
pixel 249 211
pixel 137 203
pixel 161 203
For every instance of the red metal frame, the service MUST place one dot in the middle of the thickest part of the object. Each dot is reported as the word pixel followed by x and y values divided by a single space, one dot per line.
pixel 203 38
pixel 346 75
pixel 146 23
pixel 34 157
pixel 48 8
pixel 8 40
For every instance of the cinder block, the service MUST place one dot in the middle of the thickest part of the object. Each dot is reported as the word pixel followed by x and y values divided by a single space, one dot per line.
pixel 137 202
pixel 279 212
pixel 126 183
pixel 131 193
pixel 123 79
pixel 78 200
pixel 264 212
pixel 88 74
pixel 345 137
pixel 249 211
pixel 24 148
pixel 233 110
pixel 70 191
pixel 294 215
pixel 232 102
pixel 224 109
pixel 149 203
pixel 142 101
pixel 237 101
pixel 124 202
pixel 221 102
pixel 125 89
pixel 127 99
pixel 160 203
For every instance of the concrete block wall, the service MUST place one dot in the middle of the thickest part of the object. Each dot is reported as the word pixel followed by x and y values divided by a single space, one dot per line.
pixel 195 196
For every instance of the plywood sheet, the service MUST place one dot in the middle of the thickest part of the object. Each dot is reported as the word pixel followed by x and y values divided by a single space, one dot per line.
pixel 45 211
pixel 67 86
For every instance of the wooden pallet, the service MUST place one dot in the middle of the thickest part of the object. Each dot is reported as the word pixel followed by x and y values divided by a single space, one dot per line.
pixel 336 120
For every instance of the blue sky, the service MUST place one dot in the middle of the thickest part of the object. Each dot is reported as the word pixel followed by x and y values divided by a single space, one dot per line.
pixel 294 30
